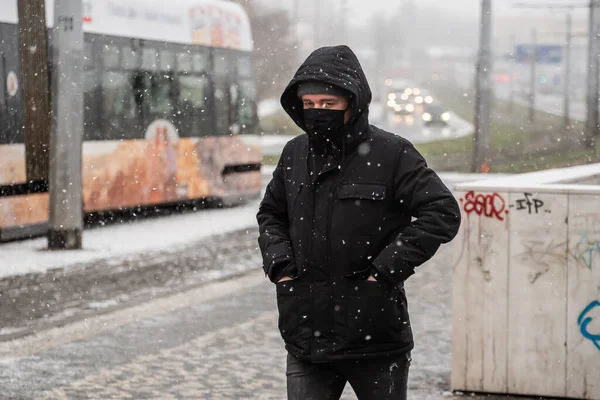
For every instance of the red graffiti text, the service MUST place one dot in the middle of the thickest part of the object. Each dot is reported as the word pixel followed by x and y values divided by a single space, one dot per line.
pixel 488 205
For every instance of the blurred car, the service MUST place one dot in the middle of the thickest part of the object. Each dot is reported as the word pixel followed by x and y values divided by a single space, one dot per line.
pixel 399 102
pixel 417 96
pixel 406 100
pixel 435 114
pixel 404 108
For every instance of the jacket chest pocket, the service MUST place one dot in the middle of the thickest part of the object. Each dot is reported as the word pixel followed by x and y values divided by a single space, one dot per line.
pixel 359 209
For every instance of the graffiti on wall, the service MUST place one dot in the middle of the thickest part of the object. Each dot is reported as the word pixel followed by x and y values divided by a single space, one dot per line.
pixel 541 255
pixel 494 206
pixel 584 321
pixel 586 250
pixel 530 204
pixel 487 205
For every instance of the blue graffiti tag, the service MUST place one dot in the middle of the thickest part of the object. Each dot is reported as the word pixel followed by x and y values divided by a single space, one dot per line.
pixel 585 250
pixel 583 321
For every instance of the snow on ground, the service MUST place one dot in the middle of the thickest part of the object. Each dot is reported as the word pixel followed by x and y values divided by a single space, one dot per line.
pixel 117 242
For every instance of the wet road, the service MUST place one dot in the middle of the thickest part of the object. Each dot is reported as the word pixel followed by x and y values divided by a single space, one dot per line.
pixel 413 128
pixel 548 103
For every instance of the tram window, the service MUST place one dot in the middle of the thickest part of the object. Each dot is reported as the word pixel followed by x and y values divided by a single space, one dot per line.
pixel 193 118
pixel 167 60
pixel 91 96
pixel 3 77
pixel 247 104
pixel 223 98
pixel 88 57
pixel 159 99
pixel 184 62
pixel 120 111
pixel 110 55
pixel 192 90
pixel 222 65
pixel 3 117
pixel 130 59
pixel 244 66
pixel 149 59
pixel 200 62
pixel 221 110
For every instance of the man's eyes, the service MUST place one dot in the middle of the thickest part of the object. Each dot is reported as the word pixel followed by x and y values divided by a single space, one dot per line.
pixel 327 104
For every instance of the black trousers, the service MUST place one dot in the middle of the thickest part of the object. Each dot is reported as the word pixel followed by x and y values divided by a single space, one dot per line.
pixel 381 378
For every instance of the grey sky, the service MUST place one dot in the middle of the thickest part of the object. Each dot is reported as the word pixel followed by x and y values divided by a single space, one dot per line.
pixel 446 22
pixel 468 8
pixel 361 10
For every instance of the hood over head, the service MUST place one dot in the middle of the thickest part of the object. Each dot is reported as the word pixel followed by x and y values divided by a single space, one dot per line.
pixel 339 66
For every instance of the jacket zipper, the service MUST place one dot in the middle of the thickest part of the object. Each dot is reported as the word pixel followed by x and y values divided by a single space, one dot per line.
pixel 310 246
pixel 296 199
pixel 314 187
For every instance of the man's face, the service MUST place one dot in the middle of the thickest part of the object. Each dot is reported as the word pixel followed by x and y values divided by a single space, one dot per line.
pixel 327 102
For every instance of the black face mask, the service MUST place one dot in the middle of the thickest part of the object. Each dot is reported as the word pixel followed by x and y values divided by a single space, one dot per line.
pixel 323 125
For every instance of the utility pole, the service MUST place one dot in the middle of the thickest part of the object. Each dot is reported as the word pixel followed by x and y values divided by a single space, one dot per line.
pixel 533 79
pixel 567 111
pixel 33 45
pixel 66 214
pixel 592 89
pixel 483 95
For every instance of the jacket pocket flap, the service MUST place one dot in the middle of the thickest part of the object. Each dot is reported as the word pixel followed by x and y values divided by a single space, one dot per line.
pixel 362 191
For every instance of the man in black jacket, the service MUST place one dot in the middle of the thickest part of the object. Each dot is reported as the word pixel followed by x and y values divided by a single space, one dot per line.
pixel 338 236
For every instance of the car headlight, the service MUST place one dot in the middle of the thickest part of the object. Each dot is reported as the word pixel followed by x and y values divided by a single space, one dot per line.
pixel 410 108
pixel 391 103
pixel 416 91
pixel 404 96
pixel 397 108
pixel 408 91
pixel 446 117
pixel 419 100
pixel 426 117
pixel 392 96
pixel 428 99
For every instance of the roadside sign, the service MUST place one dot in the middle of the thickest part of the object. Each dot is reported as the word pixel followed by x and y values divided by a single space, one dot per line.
pixel 544 54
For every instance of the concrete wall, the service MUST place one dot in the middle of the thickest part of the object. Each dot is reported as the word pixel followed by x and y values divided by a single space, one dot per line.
pixel 526 292
pixel 588 180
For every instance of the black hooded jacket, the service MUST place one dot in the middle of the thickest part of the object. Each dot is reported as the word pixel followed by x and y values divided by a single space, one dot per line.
pixel 330 229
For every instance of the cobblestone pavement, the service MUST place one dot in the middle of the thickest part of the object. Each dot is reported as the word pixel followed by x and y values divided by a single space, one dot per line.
pixel 222 347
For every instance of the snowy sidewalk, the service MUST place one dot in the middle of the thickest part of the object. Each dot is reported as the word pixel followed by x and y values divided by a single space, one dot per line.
pixel 123 242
